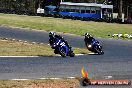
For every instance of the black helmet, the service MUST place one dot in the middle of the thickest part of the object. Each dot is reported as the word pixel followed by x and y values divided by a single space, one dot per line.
pixel 51 34
pixel 87 35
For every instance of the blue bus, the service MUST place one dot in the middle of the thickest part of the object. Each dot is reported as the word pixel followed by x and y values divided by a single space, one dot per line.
pixel 79 10
pixel 85 10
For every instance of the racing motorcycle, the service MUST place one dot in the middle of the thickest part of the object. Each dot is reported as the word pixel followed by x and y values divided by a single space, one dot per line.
pixel 62 49
pixel 94 47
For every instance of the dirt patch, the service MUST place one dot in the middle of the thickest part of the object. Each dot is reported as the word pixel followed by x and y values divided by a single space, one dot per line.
pixel 64 83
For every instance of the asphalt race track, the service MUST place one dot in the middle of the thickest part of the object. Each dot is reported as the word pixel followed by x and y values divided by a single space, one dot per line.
pixel 116 63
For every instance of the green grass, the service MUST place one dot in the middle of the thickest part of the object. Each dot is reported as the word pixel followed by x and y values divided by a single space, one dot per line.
pixel 98 29
pixel 15 48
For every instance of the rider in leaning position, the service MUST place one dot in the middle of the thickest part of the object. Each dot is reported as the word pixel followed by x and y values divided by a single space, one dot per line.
pixel 89 41
pixel 53 38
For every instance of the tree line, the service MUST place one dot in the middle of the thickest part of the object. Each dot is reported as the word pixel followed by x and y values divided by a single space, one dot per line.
pixel 17 6
pixel 30 6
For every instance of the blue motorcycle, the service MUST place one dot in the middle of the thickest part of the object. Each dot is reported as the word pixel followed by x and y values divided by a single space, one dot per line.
pixel 62 49
pixel 95 47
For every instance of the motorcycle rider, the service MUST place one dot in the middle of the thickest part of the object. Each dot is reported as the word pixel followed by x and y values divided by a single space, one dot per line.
pixel 53 37
pixel 89 39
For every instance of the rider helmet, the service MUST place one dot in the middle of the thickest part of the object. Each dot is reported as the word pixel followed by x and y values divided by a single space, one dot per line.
pixel 51 34
pixel 87 35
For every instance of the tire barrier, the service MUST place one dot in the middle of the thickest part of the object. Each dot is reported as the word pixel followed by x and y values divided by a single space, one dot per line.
pixel 122 36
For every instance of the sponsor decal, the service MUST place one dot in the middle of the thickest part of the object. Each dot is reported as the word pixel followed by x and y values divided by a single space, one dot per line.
pixel 85 81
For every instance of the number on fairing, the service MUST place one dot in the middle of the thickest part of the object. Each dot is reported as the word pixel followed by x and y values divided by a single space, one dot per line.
pixel 62 44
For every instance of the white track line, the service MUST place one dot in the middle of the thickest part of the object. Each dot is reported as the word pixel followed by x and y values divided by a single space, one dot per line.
pixel 57 78
pixel 37 56
pixel 91 53
pixel 45 78
pixel 79 54
pixel 48 78
pixel 20 79
pixel 71 77
pixel 75 55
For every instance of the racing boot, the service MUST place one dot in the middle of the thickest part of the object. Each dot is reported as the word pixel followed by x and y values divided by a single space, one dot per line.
pixel 55 51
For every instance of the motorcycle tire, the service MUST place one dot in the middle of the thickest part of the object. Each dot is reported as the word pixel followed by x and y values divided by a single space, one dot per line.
pixel 62 52
pixel 100 52
pixel 71 54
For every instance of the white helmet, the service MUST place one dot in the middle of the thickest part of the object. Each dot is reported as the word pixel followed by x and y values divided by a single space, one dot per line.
pixel 87 35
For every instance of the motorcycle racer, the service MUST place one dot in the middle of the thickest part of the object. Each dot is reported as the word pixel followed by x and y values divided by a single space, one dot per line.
pixel 92 44
pixel 53 37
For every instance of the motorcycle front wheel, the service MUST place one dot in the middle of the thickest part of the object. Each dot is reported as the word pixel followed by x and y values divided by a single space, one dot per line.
pixel 62 52
pixel 99 51
pixel 72 54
